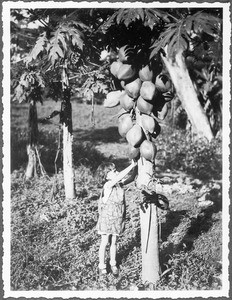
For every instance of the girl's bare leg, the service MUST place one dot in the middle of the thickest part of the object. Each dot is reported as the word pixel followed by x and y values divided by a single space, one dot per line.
pixel 102 251
pixel 113 250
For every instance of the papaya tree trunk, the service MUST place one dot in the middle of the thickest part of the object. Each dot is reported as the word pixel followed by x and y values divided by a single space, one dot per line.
pixel 149 226
pixel 188 96
pixel 32 140
pixel 31 164
pixel 66 121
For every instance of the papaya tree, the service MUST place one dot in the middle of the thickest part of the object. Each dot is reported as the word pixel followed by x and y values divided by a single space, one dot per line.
pixel 176 41
pixel 63 56
pixel 59 43
pixel 143 105
pixel 30 89
pixel 27 84
pixel 152 44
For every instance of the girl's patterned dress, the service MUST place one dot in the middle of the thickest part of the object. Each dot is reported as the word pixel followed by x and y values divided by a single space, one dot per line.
pixel 112 213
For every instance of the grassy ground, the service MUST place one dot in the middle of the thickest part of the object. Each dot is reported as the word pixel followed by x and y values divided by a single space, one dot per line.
pixel 54 244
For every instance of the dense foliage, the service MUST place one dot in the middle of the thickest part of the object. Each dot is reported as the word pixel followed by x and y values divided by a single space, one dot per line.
pixel 55 244
pixel 78 37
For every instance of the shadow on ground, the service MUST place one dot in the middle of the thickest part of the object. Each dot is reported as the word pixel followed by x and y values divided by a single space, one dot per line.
pixel 84 148
pixel 198 225
pixel 97 136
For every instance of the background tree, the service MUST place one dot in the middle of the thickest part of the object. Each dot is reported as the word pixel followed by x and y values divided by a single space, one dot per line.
pixel 26 84
pixel 180 39
pixel 58 53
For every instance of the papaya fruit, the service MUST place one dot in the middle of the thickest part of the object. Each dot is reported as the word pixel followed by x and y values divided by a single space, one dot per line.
pixel 134 153
pixel 148 123
pixel 126 72
pixel 121 112
pixel 146 74
pixel 114 68
pixel 147 90
pixel 163 83
pixel 135 136
pixel 133 88
pixel 148 150
pixel 144 106
pixel 126 101
pixel 125 124
pixel 125 54
pixel 112 99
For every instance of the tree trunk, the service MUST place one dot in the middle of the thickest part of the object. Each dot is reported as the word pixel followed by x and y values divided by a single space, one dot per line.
pixel 188 96
pixel 32 140
pixel 149 227
pixel 66 120
pixel 31 165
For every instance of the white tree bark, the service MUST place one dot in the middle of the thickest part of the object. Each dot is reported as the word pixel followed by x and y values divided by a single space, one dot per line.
pixel 68 164
pixel 31 165
pixel 149 227
pixel 32 140
pixel 188 96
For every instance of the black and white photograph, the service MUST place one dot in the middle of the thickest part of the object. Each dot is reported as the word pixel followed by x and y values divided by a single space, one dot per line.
pixel 115 149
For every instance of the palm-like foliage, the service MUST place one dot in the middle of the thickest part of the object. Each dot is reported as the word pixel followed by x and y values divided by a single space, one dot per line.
pixel 149 16
pixel 58 45
pixel 177 36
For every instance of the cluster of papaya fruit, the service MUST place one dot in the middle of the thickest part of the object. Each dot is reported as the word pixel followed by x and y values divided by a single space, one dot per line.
pixel 143 96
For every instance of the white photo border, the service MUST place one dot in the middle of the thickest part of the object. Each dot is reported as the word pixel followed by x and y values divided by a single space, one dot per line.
pixel 7 292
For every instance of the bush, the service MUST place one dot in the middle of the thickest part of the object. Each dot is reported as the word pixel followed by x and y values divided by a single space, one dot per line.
pixel 197 158
pixel 187 271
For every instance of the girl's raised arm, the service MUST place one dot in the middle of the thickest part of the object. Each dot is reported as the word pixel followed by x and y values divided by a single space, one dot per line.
pixel 122 174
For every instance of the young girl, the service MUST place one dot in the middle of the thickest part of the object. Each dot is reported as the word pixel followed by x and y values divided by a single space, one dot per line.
pixel 111 209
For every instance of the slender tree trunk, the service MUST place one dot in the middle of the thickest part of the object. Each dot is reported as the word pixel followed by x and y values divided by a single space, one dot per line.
pixel 31 164
pixel 149 227
pixel 32 140
pixel 66 121
pixel 68 164
pixel 188 96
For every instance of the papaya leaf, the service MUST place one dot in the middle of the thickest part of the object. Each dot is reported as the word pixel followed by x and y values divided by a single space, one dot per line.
pixel 39 80
pixel 163 40
pixel 174 36
pixel 39 48
pixel 149 16
pixel 55 52
pixel 119 15
pixel 30 85
pixel 141 13
pixel 178 35
pixel 188 25
pixel 18 94
pixel 203 22
pixel 63 41
pixel 76 38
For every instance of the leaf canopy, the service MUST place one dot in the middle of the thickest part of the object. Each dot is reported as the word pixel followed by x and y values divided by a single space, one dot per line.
pixel 149 16
pixel 58 44
pixel 178 35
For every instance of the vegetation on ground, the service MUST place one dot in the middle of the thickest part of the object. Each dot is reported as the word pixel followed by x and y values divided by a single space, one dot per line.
pixel 54 244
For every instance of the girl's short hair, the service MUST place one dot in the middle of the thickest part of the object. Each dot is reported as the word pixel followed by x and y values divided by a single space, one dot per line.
pixel 102 172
